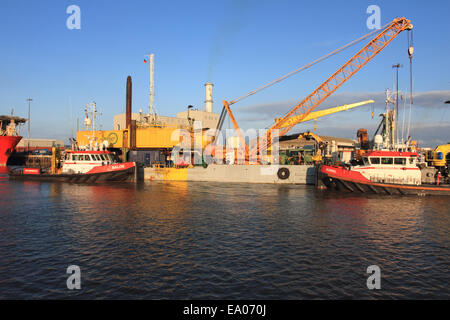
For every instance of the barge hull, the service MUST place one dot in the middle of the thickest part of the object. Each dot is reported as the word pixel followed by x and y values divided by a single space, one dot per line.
pixel 297 174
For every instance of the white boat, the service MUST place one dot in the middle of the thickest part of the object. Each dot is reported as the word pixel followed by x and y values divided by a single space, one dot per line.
pixel 382 172
pixel 82 166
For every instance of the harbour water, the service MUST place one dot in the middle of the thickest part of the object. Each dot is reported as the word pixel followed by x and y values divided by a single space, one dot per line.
pixel 186 240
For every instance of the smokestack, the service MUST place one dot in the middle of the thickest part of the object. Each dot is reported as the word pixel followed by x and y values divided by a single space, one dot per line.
pixel 128 102
pixel 208 97
pixel 133 135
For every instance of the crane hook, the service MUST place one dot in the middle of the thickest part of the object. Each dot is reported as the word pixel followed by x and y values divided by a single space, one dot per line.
pixel 410 51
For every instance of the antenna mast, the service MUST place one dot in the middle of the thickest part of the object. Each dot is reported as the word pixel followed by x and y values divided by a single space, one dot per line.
pixel 91 108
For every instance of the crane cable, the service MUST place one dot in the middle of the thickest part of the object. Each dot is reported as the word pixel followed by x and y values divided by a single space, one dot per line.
pixel 410 53
pixel 308 65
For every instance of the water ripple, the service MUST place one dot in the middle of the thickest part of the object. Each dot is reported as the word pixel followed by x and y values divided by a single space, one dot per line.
pixel 216 241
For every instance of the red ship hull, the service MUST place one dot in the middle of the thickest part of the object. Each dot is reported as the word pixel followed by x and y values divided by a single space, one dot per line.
pixel 340 179
pixel 115 172
pixel 7 145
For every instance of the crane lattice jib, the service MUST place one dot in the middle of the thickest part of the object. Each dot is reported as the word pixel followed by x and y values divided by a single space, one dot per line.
pixel 359 60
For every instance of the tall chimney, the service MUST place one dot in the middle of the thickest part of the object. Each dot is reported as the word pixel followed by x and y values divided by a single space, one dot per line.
pixel 208 97
pixel 128 101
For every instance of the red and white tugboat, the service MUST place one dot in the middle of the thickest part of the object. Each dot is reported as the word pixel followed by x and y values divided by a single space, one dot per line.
pixel 386 166
pixel 86 166
pixel 81 166
pixel 382 172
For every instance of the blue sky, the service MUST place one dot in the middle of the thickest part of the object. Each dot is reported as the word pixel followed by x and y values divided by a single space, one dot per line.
pixel 237 45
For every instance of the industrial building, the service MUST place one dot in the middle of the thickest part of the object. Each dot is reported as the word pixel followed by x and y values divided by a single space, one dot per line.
pixel 146 138
pixel 207 117
pixel 36 144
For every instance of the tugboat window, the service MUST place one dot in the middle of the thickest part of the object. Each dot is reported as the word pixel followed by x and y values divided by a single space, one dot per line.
pixel 401 161
pixel 375 160
pixel 387 161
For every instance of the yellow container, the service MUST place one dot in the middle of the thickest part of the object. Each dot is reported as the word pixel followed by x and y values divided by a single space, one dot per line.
pixel 114 138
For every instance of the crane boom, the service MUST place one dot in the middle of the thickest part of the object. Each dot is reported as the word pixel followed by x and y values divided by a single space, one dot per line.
pixel 236 127
pixel 322 113
pixel 312 101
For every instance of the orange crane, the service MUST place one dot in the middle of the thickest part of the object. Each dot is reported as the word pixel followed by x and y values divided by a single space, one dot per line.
pixel 306 106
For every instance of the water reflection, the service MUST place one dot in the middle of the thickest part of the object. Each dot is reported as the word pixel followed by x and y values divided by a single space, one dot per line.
pixel 3 171
pixel 217 241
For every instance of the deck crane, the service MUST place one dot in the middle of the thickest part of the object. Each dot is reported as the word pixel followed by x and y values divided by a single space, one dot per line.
pixel 306 106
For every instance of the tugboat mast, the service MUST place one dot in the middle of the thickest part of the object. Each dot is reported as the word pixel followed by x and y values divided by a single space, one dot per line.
pixel 91 109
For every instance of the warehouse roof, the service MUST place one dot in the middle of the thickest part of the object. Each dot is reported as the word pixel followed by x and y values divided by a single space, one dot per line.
pixel 292 141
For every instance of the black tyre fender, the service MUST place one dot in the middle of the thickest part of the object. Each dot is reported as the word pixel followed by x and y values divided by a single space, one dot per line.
pixel 283 173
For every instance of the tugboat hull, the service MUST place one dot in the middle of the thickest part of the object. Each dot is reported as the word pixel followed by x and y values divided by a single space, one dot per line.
pixel 117 172
pixel 331 178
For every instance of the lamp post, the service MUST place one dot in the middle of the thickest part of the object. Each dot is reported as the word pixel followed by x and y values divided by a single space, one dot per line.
pixel 29 109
